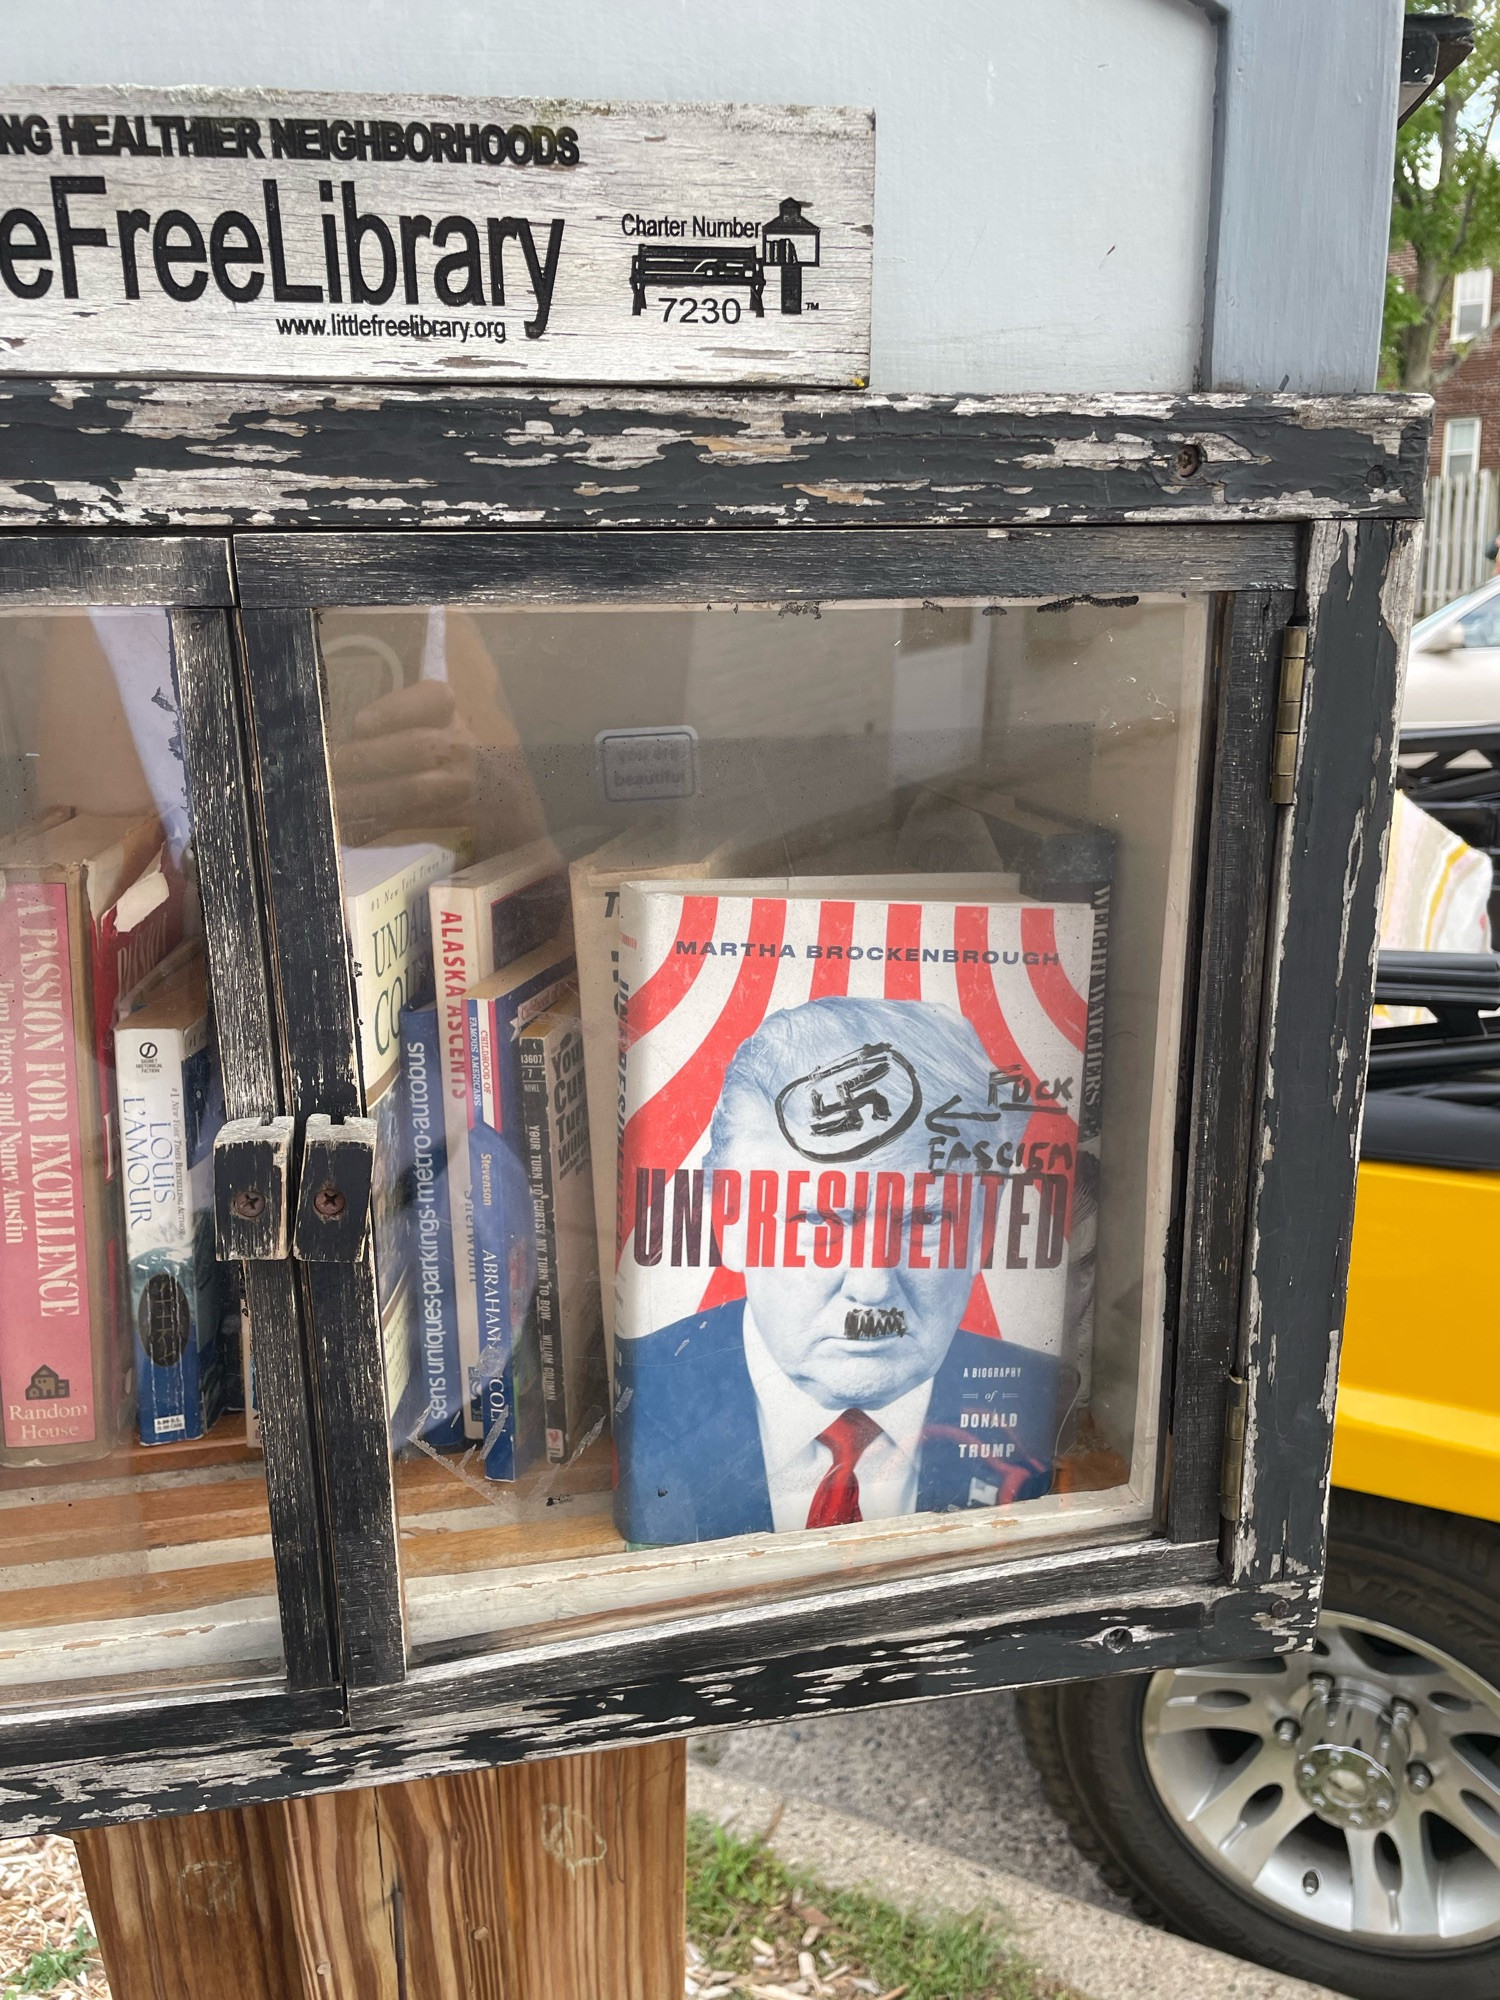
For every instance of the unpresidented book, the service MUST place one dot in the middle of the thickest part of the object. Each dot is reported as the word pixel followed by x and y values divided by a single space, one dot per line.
pixel 63 1359
pixel 504 1279
pixel 390 947
pixel 846 1178
pixel 441 1421
pixel 569 1330
pixel 964 822
pixel 482 918
pixel 171 1104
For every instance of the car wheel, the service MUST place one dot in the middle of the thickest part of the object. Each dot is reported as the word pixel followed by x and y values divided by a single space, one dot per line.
pixel 1336 1813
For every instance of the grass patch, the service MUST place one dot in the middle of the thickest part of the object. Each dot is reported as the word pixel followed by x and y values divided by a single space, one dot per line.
pixel 755 1927
pixel 45 1970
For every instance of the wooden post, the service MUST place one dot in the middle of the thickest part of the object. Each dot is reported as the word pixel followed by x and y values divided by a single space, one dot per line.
pixel 559 1880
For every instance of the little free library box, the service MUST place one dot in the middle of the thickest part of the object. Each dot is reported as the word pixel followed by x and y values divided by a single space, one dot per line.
pixel 680 1041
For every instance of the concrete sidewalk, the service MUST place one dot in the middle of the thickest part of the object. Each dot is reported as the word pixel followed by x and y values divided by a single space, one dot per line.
pixel 1098 1953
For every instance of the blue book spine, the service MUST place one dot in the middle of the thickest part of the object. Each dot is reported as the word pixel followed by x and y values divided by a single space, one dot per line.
pixel 440 1420
pixel 504 1230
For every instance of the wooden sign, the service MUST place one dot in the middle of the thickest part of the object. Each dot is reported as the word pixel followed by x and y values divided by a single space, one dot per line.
pixel 182 232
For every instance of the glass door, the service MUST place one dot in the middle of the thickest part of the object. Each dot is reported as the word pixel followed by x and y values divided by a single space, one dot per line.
pixel 138 1527
pixel 769 1006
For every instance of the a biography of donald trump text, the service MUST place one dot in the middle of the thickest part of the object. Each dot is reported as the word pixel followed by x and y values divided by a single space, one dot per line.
pixel 848 1142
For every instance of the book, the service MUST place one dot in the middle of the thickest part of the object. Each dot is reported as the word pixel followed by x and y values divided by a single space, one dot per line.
pixel 390 948
pixel 171 1104
pixel 846 1181
pixel 1053 856
pixel 441 1420
pixel 504 1277
pixel 64 1371
pixel 482 918
pixel 568 1327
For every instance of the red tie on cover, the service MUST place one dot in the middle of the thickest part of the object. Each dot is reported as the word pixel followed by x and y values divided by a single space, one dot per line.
pixel 837 1498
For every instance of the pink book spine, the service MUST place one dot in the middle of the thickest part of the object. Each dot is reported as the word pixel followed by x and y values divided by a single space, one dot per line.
pixel 46 1348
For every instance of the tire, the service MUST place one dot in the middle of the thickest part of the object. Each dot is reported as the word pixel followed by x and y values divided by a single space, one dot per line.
pixel 1385 1910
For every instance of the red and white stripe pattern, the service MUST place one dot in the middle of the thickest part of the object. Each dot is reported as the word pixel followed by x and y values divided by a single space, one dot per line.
pixel 689 1011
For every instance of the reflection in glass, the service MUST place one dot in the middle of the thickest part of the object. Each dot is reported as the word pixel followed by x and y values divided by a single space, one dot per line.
pixel 136 1532
pixel 783 1012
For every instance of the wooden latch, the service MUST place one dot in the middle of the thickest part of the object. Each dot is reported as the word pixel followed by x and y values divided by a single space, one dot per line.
pixel 1289 715
pixel 252 1159
pixel 1232 1465
pixel 333 1198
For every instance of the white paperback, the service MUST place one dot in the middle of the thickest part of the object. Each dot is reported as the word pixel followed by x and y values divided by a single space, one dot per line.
pixel 482 918
pixel 390 945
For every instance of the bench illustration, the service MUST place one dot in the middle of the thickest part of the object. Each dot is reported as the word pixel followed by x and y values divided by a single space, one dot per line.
pixel 683 264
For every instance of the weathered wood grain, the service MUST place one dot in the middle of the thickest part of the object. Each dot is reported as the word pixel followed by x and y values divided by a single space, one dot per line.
pixel 596 1872
pixel 446 1841
pixel 255 454
pixel 193 1905
pixel 514 261
pixel 51 571
pixel 315 994
pixel 737 565
pixel 1321 968
pixel 340 1905
pixel 1225 1065
pixel 225 836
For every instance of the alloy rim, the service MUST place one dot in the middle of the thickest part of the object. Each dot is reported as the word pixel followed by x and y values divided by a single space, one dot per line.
pixel 1354 1789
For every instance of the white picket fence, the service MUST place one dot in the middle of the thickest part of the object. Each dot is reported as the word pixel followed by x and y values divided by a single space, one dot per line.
pixel 1463 516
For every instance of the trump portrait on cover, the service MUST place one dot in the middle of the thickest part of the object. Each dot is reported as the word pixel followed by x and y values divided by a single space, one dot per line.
pixel 842 1384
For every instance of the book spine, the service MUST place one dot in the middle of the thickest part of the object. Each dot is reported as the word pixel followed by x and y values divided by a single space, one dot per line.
pixel 174 1293
pixel 501 1221
pixel 455 942
pixel 46 1306
pixel 537 1134
pixel 442 1419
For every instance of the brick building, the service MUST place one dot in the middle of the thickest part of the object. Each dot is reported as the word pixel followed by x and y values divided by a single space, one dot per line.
pixel 1466 426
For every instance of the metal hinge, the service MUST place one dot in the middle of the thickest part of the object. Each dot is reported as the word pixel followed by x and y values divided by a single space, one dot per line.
pixel 1289 715
pixel 1232 1465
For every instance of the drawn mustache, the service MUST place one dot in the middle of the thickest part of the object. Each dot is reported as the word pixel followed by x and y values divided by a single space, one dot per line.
pixel 873 1322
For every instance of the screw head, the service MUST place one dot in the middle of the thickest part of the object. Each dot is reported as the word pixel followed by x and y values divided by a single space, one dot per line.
pixel 328 1203
pixel 1117 1638
pixel 1418 1777
pixel 1189 460
pixel 1310 1883
pixel 248 1204
pixel 1287 1730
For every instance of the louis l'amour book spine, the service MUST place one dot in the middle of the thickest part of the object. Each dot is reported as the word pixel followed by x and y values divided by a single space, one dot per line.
pixel 569 1328
pixel 64 1366
pixel 171 1103
pixel 846 1180
pixel 390 946
pixel 504 1281
pixel 483 918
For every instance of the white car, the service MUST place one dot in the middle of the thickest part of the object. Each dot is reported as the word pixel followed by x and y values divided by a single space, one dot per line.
pixel 1453 667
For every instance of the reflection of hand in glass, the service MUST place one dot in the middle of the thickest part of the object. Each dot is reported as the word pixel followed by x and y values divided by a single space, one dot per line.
pixel 411 762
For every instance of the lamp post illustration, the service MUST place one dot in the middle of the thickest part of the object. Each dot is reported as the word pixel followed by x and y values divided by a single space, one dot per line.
pixel 790 242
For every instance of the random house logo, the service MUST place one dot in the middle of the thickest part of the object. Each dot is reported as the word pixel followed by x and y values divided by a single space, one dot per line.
pixel 47 1386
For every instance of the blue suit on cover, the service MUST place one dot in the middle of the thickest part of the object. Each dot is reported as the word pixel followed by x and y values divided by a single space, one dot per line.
pixel 687 1436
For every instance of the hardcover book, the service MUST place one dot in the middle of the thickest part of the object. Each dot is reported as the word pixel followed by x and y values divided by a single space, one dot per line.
pixel 568 1328
pixel 483 918
pixel 63 1364
pixel 171 1102
pixel 846 1181
pixel 390 946
pixel 504 1278
pixel 441 1421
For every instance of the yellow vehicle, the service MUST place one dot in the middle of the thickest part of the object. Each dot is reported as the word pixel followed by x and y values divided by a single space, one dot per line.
pixel 1336 1813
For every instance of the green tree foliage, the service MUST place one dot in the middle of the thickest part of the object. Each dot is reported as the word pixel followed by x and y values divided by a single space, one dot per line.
pixel 1446 204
